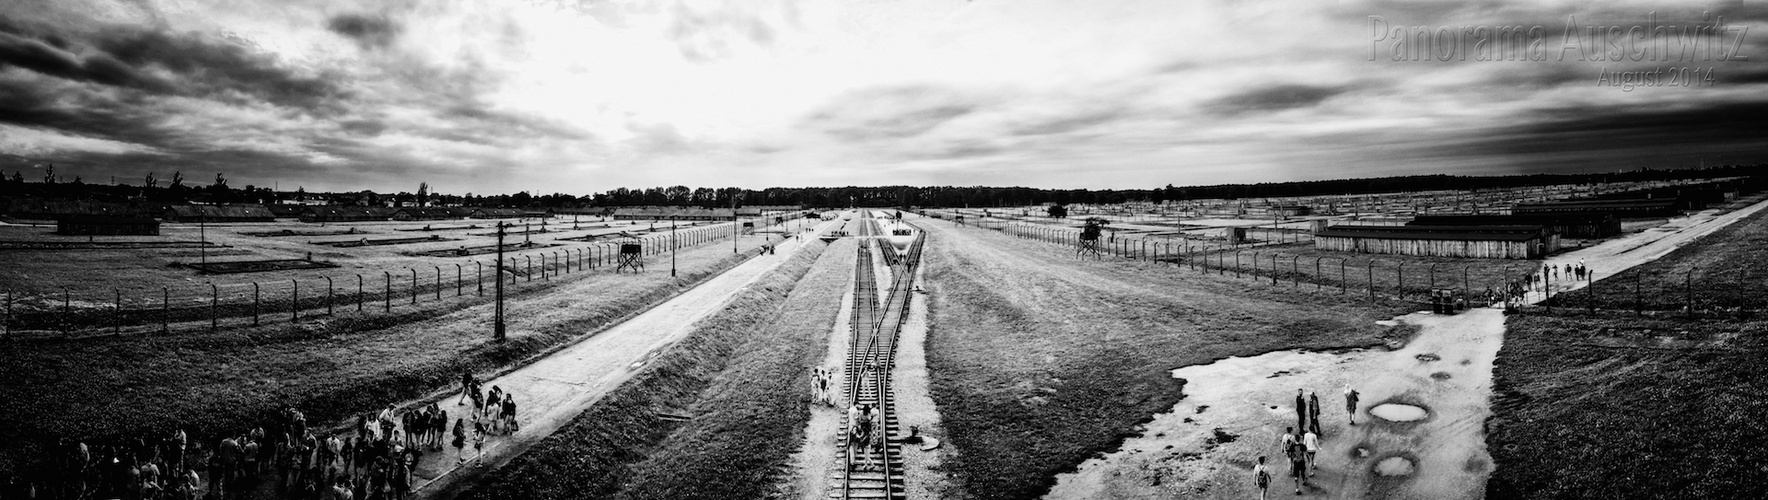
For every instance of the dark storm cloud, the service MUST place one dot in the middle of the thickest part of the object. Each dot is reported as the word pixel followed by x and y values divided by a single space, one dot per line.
pixel 209 67
pixel 890 112
pixel 198 66
pixel 46 58
pixel 81 111
pixel 369 32
pixel 1274 98
pixel 1622 136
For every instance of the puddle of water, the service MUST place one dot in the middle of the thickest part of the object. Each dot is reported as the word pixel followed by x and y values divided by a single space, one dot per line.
pixel 1394 412
pixel 1394 466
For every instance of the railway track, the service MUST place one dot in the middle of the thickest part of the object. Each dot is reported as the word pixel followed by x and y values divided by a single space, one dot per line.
pixel 869 471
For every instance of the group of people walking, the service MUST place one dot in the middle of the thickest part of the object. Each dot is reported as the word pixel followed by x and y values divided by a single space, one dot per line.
pixel 374 461
pixel 1301 443
pixel 822 386
pixel 865 429
pixel 865 423
pixel 492 413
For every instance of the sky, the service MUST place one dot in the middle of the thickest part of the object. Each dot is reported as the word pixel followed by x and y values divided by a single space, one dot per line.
pixel 499 96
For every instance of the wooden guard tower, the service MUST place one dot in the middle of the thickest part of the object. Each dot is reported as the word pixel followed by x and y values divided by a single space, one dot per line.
pixel 631 257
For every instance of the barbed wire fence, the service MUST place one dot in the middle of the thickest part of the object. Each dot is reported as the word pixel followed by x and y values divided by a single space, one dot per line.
pixel 200 307
pixel 1282 259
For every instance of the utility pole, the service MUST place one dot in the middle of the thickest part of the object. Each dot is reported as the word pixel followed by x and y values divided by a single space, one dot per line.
pixel 672 246
pixel 734 228
pixel 497 325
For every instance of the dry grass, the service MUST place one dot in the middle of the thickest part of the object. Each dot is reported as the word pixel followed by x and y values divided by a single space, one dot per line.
pixel 743 375
pixel 1724 270
pixel 1040 361
pixel 36 280
pixel 1618 407
pixel 108 389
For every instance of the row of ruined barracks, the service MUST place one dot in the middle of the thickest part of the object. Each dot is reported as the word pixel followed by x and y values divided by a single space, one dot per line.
pixel 1478 242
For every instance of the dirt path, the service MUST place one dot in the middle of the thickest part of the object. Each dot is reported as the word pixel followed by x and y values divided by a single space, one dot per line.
pixel 817 454
pixel 1237 408
pixel 1620 254
pixel 551 391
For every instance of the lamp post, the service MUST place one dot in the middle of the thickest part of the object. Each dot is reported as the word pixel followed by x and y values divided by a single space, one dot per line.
pixel 672 245
pixel 734 233
pixel 497 326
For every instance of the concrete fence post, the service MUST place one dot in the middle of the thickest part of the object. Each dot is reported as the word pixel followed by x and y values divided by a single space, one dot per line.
pixel 165 308
pixel 528 269
pixel 295 305
pixel 458 274
pixel 1342 280
pixel 214 301
pixel 481 277
pixel 387 295
pixel 254 303
pixel 360 294
pixel 330 289
pixel 1372 279
pixel 413 284
pixel 1274 268
pixel 438 282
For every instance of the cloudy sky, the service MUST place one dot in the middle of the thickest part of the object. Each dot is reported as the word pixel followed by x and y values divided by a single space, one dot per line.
pixel 493 96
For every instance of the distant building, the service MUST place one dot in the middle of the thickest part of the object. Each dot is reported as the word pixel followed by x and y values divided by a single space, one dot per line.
pixel 345 213
pixel 1566 224
pixel 219 213
pixel 505 213
pixel 104 225
pixel 1630 208
pixel 1479 242
pixel 52 209
pixel 675 213
pixel 408 214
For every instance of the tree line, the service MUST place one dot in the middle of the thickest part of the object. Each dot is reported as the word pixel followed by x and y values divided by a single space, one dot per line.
pixel 178 190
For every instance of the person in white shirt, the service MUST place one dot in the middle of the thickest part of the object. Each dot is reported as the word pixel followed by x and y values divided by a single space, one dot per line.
pixel 1312 442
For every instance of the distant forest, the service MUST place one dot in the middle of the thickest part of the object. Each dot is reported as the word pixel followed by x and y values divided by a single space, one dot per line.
pixel 176 191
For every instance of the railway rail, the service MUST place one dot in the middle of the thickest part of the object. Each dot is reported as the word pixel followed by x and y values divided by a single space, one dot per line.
pixel 875 472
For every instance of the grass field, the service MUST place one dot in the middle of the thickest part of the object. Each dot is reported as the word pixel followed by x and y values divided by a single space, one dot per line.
pixel 743 376
pixel 1040 361
pixel 1619 407
pixel 80 288
pixel 1299 264
pixel 107 389
pixel 1725 270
